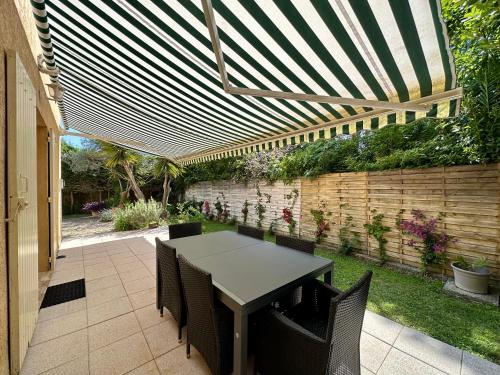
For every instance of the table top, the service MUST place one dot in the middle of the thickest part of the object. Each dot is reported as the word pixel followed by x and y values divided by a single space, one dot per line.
pixel 245 268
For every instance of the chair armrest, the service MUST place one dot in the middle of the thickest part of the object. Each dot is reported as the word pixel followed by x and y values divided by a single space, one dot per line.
pixel 317 295
pixel 285 347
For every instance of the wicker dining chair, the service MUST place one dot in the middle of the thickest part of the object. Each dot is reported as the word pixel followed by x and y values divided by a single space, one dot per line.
pixel 168 285
pixel 209 323
pixel 295 243
pixel 319 336
pixel 251 231
pixel 298 244
pixel 184 230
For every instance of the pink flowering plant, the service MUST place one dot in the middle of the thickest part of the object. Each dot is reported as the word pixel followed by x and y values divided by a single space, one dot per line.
pixel 320 219
pixel 429 241
pixel 287 212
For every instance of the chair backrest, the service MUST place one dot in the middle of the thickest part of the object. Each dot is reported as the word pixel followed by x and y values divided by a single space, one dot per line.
pixel 295 243
pixel 251 231
pixel 199 294
pixel 347 312
pixel 169 282
pixel 184 230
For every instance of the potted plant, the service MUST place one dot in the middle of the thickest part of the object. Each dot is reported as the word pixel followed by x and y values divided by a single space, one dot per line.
pixel 472 277
pixel 93 208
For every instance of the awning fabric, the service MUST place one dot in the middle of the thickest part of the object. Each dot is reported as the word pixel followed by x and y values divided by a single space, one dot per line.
pixel 145 72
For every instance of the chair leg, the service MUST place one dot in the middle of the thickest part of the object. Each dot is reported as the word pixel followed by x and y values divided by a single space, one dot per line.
pixel 179 337
pixel 161 311
pixel 188 350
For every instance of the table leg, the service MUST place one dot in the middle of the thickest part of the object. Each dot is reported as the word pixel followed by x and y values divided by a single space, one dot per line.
pixel 240 343
pixel 327 277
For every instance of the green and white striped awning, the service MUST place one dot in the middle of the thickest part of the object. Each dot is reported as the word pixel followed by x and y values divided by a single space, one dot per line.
pixel 197 80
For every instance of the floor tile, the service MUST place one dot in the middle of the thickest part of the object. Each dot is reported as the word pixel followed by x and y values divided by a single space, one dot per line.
pixel 398 363
pixel 434 352
pixel 99 266
pixel 372 351
pixel 137 265
pixel 108 310
pixel 381 327
pixel 64 276
pixel 124 259
pixel 112 330
pixel 54 353
pixel 92 261
pixel 140 284
pixel 473 365
pixel 149 316
pixel 102 283
pixel 104 295
pixel 143 298
pixel 147 369
pixel 50 329
pixel 79 366
pixel 135 275
pixel 73 266
pixel 62 309
pixel 97 274
pixel 120 357
pixel 163 337
pixel 176 363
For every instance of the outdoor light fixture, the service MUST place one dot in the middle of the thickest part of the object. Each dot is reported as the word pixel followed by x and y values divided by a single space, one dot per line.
pixel 56 91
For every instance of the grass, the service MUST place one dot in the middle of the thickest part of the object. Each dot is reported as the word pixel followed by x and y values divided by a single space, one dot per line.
pixel 416 302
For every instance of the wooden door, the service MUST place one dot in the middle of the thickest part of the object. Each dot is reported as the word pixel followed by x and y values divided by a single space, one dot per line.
pixel 22 209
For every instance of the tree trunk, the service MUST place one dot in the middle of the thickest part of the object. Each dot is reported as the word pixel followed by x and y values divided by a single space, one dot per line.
pixel 135 187
pixel 72 201
pixel 166 191
pixel 123 196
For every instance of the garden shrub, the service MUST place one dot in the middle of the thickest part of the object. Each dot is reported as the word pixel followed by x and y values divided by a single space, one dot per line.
pixel 106 216
pixel 137 215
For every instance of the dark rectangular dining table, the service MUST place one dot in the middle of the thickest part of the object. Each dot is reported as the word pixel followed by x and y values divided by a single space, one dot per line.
pixel 248 274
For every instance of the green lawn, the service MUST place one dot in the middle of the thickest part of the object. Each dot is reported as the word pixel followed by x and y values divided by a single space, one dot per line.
pixel 417 302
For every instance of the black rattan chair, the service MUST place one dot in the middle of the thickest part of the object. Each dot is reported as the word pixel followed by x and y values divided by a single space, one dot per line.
pixel 251 231
pixel 184 230
pixel 298 244
pixel 168 285
pixel 209 323
pixel 317 337
pixel 295 243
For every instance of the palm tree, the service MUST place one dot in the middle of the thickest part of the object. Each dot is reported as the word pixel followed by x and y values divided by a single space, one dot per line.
pixel 167 169
pixel 126 158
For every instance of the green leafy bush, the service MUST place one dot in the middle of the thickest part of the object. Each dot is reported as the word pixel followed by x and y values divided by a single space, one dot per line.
pixel 106 216
pixel 137 215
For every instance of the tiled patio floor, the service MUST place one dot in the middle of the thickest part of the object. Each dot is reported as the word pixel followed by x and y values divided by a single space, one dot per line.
pixel 116 329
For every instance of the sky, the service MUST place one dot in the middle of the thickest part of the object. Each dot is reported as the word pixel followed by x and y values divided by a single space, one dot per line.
pixel 72 140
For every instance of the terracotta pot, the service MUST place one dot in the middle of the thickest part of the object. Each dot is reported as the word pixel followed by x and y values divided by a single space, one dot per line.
pixel 471 281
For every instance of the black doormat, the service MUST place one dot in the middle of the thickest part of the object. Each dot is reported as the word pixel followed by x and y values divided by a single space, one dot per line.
pixel 63 293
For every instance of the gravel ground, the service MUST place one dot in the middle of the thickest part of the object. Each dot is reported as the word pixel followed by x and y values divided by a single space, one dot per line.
pixel 85 226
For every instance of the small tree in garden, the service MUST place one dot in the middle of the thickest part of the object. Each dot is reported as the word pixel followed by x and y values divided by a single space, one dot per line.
pixel 349 240
pixel 432 246
pixel 167 169
pixel 221 208
pixel 377 230
pixel 260 208
pixel 287 213
pixel 206 209
pixel 322 225
pixel 244 211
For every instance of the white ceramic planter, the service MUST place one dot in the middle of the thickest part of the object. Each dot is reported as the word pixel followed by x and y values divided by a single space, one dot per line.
pixel 471 281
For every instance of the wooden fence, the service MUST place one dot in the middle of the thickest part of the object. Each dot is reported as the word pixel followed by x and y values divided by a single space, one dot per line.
pixel 467 197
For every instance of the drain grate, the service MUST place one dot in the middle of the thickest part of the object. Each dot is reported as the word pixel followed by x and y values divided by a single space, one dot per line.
pixel 63 293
